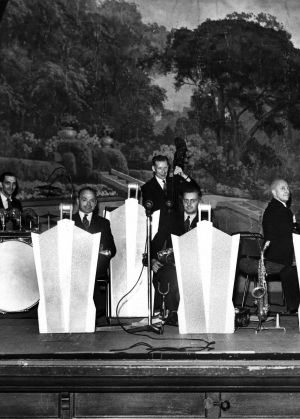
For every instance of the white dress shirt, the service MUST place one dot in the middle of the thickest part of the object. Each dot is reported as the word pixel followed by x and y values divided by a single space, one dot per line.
pixel 89 216
pixel 4 200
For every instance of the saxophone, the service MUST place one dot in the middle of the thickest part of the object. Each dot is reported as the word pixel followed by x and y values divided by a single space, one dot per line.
pixel 260 292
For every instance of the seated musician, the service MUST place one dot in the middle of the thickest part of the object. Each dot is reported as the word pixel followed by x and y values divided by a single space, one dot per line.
pixel 278 228
pixel 165 278
pixel 88 219
pixel 10 206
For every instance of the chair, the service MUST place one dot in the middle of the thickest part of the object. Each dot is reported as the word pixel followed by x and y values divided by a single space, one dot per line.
pixel 248 260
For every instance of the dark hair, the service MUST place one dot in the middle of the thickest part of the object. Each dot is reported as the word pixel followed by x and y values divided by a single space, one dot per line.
pixel 3 176
pixel 159 157
pixel 191 189
pixel 87 188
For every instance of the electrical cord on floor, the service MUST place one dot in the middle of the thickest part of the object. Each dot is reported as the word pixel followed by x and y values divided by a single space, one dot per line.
pixel 207 345
pixel 184 349
pixel 121 299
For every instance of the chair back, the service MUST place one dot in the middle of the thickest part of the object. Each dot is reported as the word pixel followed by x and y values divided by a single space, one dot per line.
pixel 251 245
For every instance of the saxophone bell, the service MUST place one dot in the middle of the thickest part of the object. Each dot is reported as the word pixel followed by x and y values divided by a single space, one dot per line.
pixel 258 292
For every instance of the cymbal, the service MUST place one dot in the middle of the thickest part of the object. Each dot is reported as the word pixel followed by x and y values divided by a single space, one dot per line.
pixel 51 216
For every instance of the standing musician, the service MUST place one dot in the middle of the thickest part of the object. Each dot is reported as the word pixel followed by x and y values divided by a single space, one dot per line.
pixel 164 190
pixel 278 229
pixel 88 219
pixel 165 278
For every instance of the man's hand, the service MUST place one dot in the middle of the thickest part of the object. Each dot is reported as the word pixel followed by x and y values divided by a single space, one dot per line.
pixel 178 171
pixel 104 252
pixel 156 265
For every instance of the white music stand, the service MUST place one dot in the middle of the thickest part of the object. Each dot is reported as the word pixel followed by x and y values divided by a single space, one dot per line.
pixel 128 226
pixel 66 261
pixel 205 260
pixel 296 241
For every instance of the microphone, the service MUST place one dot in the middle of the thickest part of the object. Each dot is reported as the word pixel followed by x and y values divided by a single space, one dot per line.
pixel 148 207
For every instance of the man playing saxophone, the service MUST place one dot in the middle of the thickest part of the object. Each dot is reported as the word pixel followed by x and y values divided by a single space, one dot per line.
pixel 278 229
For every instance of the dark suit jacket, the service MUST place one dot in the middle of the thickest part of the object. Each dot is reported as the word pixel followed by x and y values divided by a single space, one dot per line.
pixel 152 191
pixel 278 227
pixel 15 203
pixel 100 225
pixel 172 225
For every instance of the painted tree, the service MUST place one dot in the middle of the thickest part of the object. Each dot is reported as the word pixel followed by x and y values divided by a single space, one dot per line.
pixel 238 66
pixel 90 59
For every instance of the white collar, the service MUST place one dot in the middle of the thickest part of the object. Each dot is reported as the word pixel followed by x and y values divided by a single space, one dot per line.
pixel 4 200
pixel 161 182
pixel 192 216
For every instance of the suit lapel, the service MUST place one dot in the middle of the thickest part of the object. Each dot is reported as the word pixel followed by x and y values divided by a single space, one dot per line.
pixel 158 187
pixel 194 222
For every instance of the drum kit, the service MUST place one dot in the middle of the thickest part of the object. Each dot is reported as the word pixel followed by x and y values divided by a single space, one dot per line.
pixel 18 280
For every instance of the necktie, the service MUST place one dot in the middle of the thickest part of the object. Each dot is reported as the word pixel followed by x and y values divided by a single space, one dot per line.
pixel 165 187
pixel 85 222
pixel 187 224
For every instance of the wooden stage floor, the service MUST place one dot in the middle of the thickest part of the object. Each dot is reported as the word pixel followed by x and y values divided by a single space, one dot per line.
pixel 20 337
pixel 113 374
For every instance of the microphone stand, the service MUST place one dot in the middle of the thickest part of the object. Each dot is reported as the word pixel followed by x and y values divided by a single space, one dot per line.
pixel 157 328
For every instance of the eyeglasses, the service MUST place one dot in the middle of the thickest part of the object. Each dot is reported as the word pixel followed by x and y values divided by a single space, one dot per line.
pixel 190 201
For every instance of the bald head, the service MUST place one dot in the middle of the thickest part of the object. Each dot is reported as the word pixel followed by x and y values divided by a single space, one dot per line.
pixel 280 190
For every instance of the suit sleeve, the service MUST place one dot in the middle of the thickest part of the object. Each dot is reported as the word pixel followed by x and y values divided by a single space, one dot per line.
pixel 159 239
pixel 107 239
pixel 146 195
pixel 269 226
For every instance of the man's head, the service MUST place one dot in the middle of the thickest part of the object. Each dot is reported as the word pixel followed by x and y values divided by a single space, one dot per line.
pixel 87 199
pixel 280 190
pixel 160 166
pixel 9 183
pixel 190 199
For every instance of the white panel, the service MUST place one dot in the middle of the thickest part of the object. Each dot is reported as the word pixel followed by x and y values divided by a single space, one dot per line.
pixel 155 223
pixel 128 225
pixel 205 262
pixel 296 241
pixel 66 262
pixel 191 310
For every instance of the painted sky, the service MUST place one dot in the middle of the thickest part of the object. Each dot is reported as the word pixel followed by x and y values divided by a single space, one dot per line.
pixel 191 13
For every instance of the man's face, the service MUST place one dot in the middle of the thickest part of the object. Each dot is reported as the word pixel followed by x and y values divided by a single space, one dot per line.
pixel 87 201
pixel 190 202
pixel 9 185
pixel 281 191
pixel 160 169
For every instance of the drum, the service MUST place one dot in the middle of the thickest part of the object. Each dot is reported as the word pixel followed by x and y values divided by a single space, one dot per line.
pixel 18 280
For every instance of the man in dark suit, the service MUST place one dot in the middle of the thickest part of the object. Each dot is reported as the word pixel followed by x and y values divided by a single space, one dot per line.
pixel 89 220
pixel 9 191
pixel 163 189
pixel 8 201
pixel 165 278
pixel 278 224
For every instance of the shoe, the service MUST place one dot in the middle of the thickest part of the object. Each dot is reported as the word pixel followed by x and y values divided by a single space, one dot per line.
pixel 172 319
